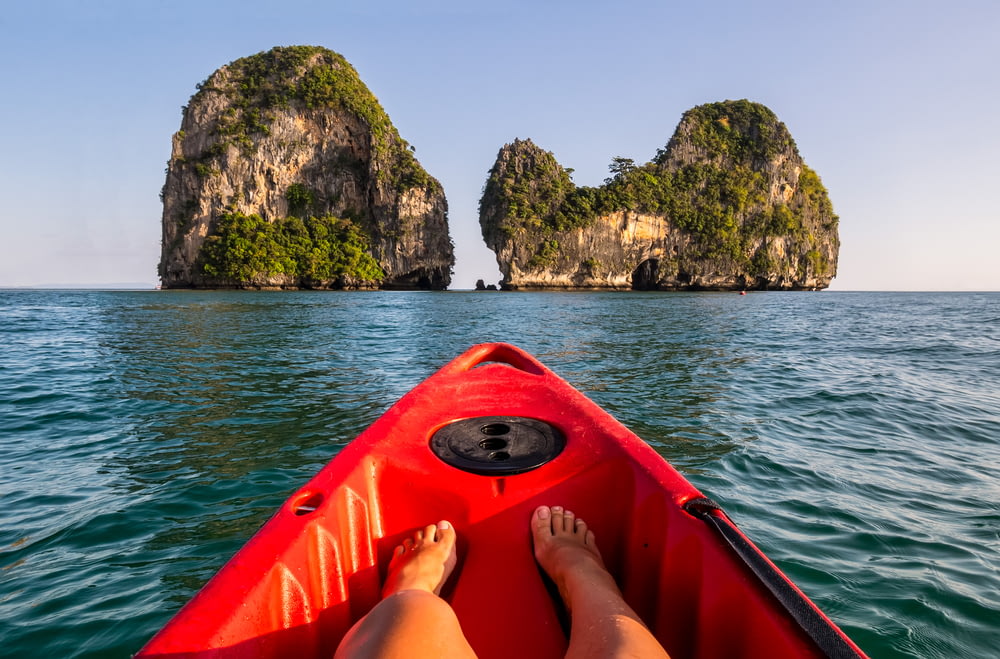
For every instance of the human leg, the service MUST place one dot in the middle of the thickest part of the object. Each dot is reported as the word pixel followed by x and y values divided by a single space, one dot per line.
pixel 602 625
pixel 412 620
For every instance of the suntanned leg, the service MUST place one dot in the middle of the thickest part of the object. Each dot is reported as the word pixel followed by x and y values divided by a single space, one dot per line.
pixel 412 621
pixel 602 625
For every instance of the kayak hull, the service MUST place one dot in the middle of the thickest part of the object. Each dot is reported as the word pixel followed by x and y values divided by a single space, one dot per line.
pixel 317 566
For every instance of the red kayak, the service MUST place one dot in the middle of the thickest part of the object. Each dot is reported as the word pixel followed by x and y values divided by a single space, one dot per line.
pixel 482 443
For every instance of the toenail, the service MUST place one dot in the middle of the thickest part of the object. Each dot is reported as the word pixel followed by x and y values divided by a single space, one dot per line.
pixel 557 509
pixel 544 513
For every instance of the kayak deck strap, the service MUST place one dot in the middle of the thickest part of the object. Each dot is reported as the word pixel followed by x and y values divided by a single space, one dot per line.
pixel 810 620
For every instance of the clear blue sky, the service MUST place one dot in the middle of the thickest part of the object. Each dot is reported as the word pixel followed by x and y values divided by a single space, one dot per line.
pixel 894 104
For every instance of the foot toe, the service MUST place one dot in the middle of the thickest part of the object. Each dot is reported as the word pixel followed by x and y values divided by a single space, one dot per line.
pixel 558 518
pixel 541 521
pixel 569 521
pixel 444 531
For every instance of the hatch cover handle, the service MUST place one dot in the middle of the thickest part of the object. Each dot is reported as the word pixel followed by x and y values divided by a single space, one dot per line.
pixel 497 445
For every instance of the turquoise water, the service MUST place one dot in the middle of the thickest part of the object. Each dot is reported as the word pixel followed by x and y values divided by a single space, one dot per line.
pixel 144 436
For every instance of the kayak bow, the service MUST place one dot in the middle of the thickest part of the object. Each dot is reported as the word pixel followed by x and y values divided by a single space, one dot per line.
pixel 482 443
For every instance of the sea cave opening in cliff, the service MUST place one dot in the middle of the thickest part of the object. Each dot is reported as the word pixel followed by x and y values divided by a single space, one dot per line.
pixel 644 277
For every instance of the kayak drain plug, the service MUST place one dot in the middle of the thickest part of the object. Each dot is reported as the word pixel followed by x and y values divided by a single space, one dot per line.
pixel 497 445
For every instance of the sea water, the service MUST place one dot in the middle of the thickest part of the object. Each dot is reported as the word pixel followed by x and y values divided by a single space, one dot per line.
pixel 144 436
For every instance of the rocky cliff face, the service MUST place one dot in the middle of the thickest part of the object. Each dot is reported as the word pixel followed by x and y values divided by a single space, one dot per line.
pixel 294 133
pixel 728 204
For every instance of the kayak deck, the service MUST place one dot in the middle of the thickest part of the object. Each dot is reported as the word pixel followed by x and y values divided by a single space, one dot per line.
pixel 317 566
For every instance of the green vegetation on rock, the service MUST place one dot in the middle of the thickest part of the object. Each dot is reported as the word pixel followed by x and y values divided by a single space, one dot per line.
pixel 546 255
pixel 734 130
pixel 816 197
pixel 300 199
pixel 711 181
pixel 246 249
pixel 706 200
pixel 315 78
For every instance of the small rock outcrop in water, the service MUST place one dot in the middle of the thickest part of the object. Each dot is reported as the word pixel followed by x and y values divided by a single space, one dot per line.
pixel 728 204
pixel 288 173
pixel 482 286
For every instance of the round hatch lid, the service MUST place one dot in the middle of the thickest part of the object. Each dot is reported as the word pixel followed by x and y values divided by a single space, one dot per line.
pixel 497 445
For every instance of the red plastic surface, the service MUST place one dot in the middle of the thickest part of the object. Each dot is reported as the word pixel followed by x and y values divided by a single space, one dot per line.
pixel 318 564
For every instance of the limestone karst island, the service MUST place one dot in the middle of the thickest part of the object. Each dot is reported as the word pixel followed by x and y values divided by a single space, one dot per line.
pixel 287 173
pixel 727 204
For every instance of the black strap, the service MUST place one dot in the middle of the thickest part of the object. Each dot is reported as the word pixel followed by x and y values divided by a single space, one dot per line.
pixel 827 637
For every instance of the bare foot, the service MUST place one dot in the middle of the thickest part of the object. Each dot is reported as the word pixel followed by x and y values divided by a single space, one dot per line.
pixel 412 620
pixel 602 625
pixel 567 551
pixel 423 562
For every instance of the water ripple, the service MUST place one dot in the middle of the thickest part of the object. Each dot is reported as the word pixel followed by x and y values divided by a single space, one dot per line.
pixel 145 436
